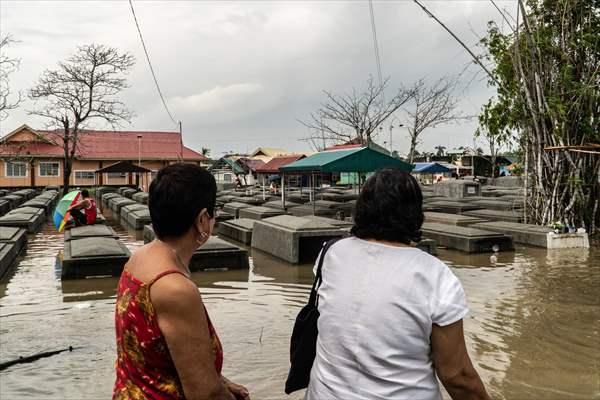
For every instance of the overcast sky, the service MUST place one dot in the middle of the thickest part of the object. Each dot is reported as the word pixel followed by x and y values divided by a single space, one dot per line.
pixel 239 74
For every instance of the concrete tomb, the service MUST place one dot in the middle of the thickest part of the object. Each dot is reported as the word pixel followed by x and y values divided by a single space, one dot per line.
pixel 129 208
pixel 103 190
pixel 4 207
pixel 278 204
pixel 238 229
pixel 140 197
pixel 457 189
pixel 248 200
pixel 536 235
pixel 292 239
pixel 214 254
pixel 428 246
pixel 14 235
pixel 259 212
pixel 122 189
pixel 496 215
pixel 29 218
pixel 115 204
pixel 451 219
pixel 45 204
pixel 128 193
pixel 107 196
pixel 470 240
pixel 138 218
pixel 8 255
pixel 82 232
pixel 452 207
pixel 501 205
pixel 26 193
pixel 14 199
pixel 234 208
pixel 342 224
pixel 94 256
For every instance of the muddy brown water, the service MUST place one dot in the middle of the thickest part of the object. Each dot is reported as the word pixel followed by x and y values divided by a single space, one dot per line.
pixel 533 330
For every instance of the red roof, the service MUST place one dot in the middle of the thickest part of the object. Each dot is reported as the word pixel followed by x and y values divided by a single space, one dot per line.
pixel 345 146
pixel 112 145
pixel 272 167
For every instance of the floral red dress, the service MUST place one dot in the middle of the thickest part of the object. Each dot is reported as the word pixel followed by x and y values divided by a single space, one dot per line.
pixel 144 366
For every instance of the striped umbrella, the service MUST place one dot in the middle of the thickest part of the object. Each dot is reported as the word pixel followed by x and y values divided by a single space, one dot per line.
pixel 61 215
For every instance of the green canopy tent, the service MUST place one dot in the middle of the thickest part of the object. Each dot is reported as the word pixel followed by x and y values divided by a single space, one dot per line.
pixel 360 159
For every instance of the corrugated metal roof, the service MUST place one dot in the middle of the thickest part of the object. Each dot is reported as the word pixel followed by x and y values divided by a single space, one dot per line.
pixel 361 159
pixel 430 168
pixel 272 167
pixel 110 145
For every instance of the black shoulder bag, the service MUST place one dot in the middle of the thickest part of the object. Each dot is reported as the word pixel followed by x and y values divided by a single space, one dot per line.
pixel 303 346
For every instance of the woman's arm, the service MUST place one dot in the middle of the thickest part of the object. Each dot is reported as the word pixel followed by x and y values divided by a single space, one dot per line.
pixel 183 323
pixel 453 365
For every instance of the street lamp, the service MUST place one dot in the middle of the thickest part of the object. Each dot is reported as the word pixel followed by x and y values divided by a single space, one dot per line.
pixel 391 127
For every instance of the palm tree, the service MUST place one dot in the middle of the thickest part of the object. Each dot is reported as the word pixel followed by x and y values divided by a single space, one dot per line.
pixel 205 151
pixel 441 150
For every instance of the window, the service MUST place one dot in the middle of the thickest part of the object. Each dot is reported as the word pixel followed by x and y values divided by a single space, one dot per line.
pixel 84 175
pixel 16 169
pixel 49 168
pixel 116 175
pixel 226 177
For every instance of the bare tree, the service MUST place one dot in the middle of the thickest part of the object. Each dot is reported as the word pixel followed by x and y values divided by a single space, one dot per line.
pixel 354 116
pixel 429 107
pixel 83 88
pixel 8 65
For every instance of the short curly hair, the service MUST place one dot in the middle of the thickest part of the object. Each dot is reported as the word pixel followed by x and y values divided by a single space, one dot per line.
pixel 390 207
pixel 177 195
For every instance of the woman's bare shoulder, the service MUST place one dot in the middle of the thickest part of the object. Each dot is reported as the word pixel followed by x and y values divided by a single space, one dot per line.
pixel 148 261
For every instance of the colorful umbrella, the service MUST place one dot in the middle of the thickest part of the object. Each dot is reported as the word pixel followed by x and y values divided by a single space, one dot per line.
pixel 61 215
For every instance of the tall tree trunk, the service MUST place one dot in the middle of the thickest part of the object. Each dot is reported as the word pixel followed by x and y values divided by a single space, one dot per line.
pixel 413 147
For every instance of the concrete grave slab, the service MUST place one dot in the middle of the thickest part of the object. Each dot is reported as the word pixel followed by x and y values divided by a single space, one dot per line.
pixel 238 229
pixel 140 197
pixel 278 204
pixel 131 207
pixel 215 253
pixel 4 207
pixel 467 239
pixel 82 232
pixel 27 194
pixel 496 215
pixel 14 235
pixel 94 256
pixel 451 219
pixel 248 200
pixel 501 205
pixel 106 197
pixel 291 238
pixel 259 213
pixel 8 255
pixel 41 203
pixel 122 189
pixel 128 193
pixel 14 199
pixel 115 204
pixel 452 207
pixel 23 218
pixel 138 218
pixel 234 208
pixel 535 235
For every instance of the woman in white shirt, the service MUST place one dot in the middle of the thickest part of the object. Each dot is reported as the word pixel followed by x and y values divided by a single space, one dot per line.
pixel 390 314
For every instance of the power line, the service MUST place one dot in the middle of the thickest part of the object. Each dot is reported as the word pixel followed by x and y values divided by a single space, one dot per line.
pixel 376 47
pixel 150 65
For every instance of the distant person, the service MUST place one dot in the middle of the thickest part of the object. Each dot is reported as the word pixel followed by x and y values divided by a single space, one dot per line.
pixel 273 188
pixel 390 314
pixel 439 179
pixel 238 182
pixel 84 212
pixel 167 347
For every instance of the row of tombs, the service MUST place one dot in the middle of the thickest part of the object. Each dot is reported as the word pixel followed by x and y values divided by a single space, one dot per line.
pixel 459 215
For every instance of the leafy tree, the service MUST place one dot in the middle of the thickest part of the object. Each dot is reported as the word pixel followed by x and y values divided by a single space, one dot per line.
pixel 547 79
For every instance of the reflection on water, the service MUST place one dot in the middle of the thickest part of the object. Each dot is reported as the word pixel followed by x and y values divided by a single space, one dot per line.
pixel 533 330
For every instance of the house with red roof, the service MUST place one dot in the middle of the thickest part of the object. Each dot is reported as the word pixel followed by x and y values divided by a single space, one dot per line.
pixel 32 157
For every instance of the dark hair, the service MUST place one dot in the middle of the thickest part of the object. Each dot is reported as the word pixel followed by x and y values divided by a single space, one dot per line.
pixel 177 195
pixel 390 207
pixel 85 194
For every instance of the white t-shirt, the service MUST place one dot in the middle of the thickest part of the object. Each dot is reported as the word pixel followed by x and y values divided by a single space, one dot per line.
pixel 377 305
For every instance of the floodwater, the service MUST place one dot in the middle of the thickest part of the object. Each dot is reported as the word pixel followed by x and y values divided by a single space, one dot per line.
pixel 533 331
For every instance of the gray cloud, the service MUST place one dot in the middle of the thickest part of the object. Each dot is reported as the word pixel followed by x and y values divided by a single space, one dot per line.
pixel 239 74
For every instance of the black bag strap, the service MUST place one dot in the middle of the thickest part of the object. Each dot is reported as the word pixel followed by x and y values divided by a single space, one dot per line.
pixel 313 292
